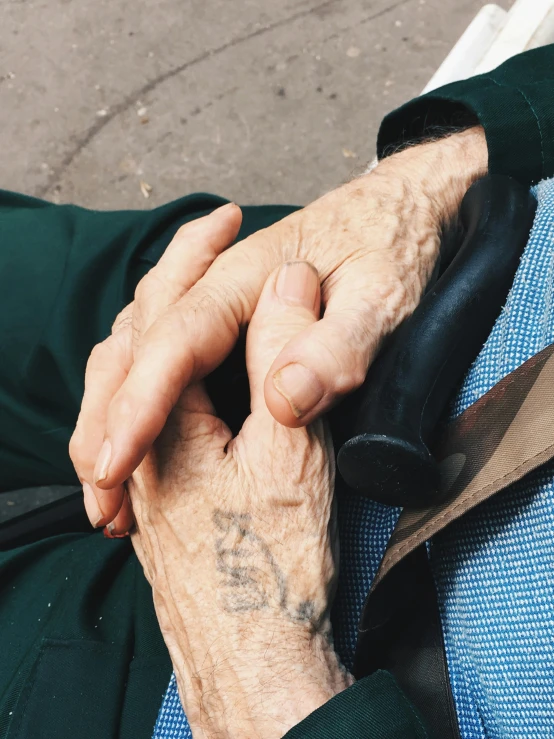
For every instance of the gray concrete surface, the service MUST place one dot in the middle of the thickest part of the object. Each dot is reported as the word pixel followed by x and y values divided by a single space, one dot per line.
pixel 258 100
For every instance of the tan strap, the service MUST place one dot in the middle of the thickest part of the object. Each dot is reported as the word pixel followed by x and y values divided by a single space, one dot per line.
pixel 503 436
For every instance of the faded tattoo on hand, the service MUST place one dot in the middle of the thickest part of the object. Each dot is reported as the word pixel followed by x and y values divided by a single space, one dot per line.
pixel 252 579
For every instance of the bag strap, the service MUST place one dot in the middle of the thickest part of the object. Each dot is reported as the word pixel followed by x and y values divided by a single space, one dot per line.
pixel 505 435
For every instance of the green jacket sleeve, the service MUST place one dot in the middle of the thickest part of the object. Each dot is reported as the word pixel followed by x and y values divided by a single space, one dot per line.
pixel 372 708
pixel 514 103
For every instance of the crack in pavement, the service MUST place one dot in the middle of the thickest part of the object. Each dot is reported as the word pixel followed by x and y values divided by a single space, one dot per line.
pixel 363 21
pixel 129 100
pixel 384 11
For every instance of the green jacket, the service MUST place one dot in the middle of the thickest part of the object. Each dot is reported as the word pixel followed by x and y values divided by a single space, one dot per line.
pixel 81 651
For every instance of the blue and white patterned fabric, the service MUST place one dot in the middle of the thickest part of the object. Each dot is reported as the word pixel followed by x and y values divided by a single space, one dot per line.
pixel 172 722
pixel 494 569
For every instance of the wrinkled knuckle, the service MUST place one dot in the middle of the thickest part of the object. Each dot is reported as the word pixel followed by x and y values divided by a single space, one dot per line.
pixel 226 303
pixel 122 323
pixel 290 239
pixel 123 319
pixel 240 299
pixel 203 431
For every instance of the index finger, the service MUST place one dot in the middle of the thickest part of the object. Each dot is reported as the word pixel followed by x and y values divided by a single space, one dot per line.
pixel 187 341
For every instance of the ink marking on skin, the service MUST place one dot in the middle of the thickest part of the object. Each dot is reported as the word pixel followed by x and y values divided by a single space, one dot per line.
pixel 305 611
pixel 250 587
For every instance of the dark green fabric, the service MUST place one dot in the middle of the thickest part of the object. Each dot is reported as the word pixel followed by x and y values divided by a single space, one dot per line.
pixel 71 667
pixel 81 650
pixel 373 708
pixel 65 273
pixel 514 103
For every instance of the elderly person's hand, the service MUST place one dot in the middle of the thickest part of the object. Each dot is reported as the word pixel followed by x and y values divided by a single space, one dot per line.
pixel 374 242
pixel 237 539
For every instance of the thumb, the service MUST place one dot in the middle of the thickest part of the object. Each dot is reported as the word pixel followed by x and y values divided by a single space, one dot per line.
pixel 290 302
pixel 330 358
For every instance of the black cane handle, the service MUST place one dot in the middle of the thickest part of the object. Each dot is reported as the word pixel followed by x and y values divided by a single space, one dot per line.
pixel 406 391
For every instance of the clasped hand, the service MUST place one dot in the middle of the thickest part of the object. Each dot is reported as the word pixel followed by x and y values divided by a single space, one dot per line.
pixel 374 242
pixel 237 538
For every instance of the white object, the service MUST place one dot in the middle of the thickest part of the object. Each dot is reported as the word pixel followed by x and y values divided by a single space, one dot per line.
pixel 494 36
pixel 524 20
pixel 545 32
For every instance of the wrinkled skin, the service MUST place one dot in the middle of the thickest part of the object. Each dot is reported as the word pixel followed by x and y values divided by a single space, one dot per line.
pixel 237 539
pixel 374 242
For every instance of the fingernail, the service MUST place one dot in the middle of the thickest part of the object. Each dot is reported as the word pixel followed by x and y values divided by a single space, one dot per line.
pixel 103 462
pixel 109 532
pixel 298 283
pixel 91 506
pixel 300 386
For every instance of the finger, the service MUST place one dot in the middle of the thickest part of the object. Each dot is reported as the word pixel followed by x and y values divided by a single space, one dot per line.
pixel 192 250
pixel 329 359
pixel 123 522
pixel 106 370
pixel 124 318
pixel 187 257
pixel 290 303
pixel 185 260
pixel 188 340
pixel 198 425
